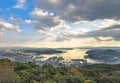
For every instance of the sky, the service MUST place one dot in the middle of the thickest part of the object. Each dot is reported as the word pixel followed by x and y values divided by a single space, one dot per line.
pixel 59 23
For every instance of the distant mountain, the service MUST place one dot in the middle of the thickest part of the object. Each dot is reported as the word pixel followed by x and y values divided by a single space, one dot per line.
pixel 110 52
pixel 106 55
pixel 113 47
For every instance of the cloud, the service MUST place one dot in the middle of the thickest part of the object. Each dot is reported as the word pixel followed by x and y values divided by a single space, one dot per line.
pixel 46 20
pixel 77 10
pixel 7 26
pixel 21 4
pixel 103 15
pixel 103 34
pixel 113 32
pixel 28 21
pixel 11 42
pixel 51 14
pixel 112 27
pixel 20 21
pixel 16 20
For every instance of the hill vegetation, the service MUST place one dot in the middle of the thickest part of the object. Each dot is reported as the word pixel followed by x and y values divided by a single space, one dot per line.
pixel 17 72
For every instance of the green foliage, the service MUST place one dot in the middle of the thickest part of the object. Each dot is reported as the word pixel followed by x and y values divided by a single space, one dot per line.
pixel 74 79
pixel 90 81
pixel 17 72
pixel 6 71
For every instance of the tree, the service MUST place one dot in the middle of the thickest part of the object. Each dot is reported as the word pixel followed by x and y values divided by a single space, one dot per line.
pixel 6 71
pixel 90 81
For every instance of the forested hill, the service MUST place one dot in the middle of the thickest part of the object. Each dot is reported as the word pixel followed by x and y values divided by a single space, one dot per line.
pixel 17 72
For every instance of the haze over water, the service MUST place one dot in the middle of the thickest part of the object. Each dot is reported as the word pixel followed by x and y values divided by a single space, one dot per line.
pixel 69 54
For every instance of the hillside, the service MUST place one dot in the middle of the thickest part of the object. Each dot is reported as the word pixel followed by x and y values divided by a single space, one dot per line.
pixel 17 72
pixel 104 55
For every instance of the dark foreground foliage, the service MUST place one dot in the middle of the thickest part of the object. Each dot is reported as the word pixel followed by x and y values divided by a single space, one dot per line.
pixel 17 72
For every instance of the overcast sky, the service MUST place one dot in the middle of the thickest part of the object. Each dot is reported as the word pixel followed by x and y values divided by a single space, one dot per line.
pixel 59 23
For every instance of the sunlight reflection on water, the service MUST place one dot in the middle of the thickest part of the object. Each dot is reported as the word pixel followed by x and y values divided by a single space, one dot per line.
pixel 70 54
